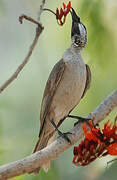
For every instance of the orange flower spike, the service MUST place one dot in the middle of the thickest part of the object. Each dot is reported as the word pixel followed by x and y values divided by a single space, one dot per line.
pixel 106 124
pixel 84 128
pixel 65 12
pixel 110 130
pixel 64 5
pixel 80 147
pixel 90 135
pixel 57 13
pixel 92 147
pixel 115 136
pixel 61 13
pixel 112 149
pixel 96 131
pixel 69 6
pixel 86 143
pixel 96 143
pixel 75 151
pixel 74 160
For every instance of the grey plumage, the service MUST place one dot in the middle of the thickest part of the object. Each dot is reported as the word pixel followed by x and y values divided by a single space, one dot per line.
pixel 67 84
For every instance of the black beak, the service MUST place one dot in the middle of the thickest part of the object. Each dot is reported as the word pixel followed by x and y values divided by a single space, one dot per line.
pixel 75 18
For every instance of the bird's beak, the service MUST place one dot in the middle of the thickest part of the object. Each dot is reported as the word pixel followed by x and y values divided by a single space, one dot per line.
pixel 75 18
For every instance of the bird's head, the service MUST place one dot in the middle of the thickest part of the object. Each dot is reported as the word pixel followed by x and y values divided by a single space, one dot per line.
pixel 78 31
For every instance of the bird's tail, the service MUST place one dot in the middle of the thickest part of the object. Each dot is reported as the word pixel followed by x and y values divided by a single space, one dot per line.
pixel 42 143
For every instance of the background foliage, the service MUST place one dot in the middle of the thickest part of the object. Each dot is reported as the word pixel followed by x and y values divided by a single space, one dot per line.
pixel 20 102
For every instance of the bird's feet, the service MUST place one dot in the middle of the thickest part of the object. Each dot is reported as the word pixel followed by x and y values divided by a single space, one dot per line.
pixel 63 135
pixel 80 119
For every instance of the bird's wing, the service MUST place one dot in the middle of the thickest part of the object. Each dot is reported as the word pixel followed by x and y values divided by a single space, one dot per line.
pixel 88 80
pixel 50 89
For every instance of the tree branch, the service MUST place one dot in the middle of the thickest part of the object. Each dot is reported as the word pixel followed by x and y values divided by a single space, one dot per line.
pixel 37 159
pixel 39 29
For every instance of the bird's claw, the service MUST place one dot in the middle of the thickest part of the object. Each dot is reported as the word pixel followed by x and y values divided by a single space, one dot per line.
pixel 64 136
pixel 80 119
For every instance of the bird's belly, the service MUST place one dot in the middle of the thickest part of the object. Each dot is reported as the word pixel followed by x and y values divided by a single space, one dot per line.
pixel 69 91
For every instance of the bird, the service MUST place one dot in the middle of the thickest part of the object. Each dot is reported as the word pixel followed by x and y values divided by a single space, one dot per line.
pixel 67 84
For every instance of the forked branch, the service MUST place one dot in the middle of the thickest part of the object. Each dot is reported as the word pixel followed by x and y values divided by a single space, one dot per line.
pixel 39 29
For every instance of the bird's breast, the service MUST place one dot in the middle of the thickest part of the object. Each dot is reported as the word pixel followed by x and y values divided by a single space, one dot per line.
pixel 70 89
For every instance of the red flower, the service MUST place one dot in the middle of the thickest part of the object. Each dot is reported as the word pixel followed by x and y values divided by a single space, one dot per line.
pixel 110 130
pixel 61 16
pixel 112 149
pixel 97 143
pixel 93 134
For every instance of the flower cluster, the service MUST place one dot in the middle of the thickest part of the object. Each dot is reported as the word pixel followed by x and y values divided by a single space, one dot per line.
pixel 97 143
pixel 61 15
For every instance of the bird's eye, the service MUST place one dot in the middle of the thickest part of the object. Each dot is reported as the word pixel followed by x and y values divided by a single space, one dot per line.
pixel 77 41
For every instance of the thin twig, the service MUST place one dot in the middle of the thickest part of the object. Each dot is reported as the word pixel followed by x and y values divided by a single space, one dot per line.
pixel 29 19
pixel 46 9
pixel 32 162
pixel 41 10
pixel 39 29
